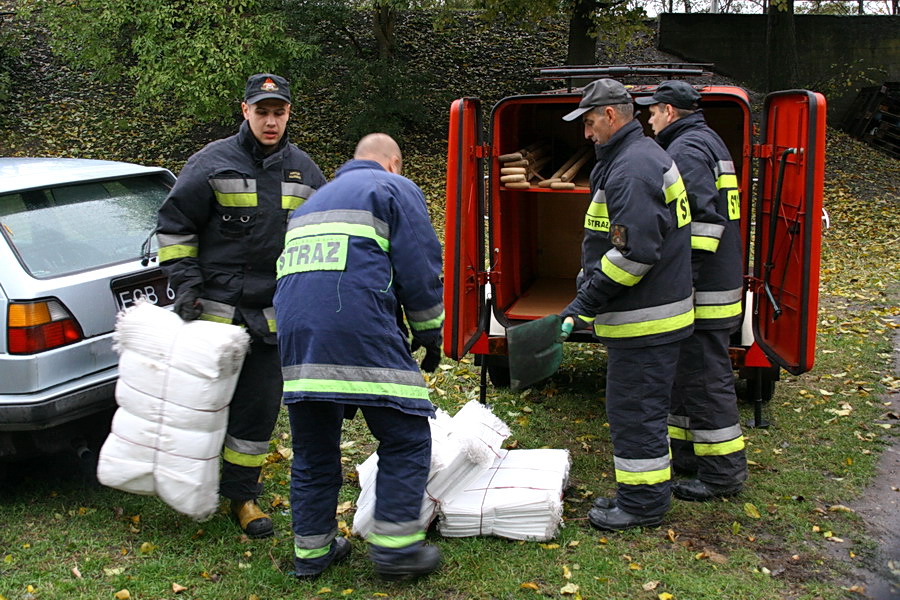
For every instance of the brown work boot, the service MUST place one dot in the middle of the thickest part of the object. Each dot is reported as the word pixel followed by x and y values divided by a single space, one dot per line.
pixel 253 521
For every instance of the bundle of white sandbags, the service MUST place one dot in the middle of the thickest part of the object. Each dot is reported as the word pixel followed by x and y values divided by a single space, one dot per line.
pixel 176 380
pixel 462 447
pixel 519 497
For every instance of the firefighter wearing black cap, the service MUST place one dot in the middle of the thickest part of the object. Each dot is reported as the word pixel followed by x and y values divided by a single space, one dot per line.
pixel 704 424
pixel 636 286
pixel 220 232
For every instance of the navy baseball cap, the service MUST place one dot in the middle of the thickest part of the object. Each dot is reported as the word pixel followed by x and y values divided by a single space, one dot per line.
pixel 679 94
pixel 266 85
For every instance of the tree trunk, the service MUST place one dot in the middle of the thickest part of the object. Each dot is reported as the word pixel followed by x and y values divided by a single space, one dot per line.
pixel 582 48
pixel 781 47
pixel 383 21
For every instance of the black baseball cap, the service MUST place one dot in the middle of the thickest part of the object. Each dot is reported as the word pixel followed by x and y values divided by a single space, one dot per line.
pixel 679 94
pixel 266 85
pixel 601 92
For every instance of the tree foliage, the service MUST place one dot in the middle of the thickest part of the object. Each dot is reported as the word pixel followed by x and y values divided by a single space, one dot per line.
pixel 194 54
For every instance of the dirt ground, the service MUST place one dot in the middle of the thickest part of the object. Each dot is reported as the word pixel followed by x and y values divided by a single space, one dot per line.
pixel 879 507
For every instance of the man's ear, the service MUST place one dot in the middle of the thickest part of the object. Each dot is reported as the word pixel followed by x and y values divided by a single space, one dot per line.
pixel 245 108
pixel 395 165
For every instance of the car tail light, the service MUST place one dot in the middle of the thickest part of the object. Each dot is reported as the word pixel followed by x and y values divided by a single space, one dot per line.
pixel 34 327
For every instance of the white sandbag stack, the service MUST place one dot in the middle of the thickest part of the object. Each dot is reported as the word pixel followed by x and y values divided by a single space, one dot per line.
pixel 519 497
pixel 462 447
pixel 175 382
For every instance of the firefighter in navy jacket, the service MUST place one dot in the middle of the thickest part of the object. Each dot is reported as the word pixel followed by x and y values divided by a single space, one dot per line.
pixel 704 422
pixel 636 287
pixel 220 232
pixel 361 250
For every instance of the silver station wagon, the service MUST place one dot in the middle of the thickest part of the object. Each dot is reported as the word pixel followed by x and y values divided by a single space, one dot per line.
pixel 76 247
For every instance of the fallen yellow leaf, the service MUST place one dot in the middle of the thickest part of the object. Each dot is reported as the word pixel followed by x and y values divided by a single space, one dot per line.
pixel 569 588
pixel 177 588
pixel 566 572
pixel 752 511
pixel 528 585
pixel 665 596
pixel 549 546
pixel 650 586
pixel 122 594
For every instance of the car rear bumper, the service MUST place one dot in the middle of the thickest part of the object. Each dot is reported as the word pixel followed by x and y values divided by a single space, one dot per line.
pixel 60 404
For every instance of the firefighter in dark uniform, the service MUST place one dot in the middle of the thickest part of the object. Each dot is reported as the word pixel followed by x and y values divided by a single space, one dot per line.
pixel 364 249
pixel 635 286
pixel 220 232
pixel 704 423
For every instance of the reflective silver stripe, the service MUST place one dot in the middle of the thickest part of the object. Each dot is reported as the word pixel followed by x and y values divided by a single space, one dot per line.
pixel 714 436
pixel 427 314
pixel 233 186
pixel 641 465
pixel 641 315
pixel 353 217
pixel 246 446
pixel 269 313
pixel 599 197
pixel 352 373
pixel 300 190
pixel 396 529
pixel 314 542
pixel 217 309
pixel 638 269
pixel 671 176
pixel 168 239
pixel 682 421
pixel 724 167
pixel 712 230
pixel 723 297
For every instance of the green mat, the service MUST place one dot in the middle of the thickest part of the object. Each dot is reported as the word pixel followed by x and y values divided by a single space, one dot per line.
pixel 534 351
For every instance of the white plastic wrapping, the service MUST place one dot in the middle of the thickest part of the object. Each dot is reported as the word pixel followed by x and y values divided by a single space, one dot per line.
pixel 176 379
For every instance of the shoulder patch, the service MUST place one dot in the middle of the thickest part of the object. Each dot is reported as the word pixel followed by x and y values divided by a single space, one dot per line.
pixel 293 175
pixel 618 236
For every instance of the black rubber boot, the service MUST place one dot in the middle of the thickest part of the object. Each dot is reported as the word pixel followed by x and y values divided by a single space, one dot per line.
pixel 253 521
pixel 698 491
pixel 310 568
pixel 605 503
pixel 392 567
pixel 616 519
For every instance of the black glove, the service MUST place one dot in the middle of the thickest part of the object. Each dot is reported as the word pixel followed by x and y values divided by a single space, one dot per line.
pixel 187 305
pixel 432 358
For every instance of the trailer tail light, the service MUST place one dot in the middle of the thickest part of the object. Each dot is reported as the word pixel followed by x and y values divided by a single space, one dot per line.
pixel 34 327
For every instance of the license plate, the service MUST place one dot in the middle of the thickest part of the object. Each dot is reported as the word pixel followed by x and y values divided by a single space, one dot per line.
pixel 152 287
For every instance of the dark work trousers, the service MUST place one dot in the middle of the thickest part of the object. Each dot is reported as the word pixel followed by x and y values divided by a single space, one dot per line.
pixel 638 388
pixel 704 424
pixel 404 460
pixel 251 419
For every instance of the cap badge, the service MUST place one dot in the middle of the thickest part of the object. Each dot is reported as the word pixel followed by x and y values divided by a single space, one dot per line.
pixel 269 85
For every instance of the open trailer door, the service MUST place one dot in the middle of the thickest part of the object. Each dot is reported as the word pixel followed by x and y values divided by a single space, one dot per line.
pixel 789 228
pixel 464 237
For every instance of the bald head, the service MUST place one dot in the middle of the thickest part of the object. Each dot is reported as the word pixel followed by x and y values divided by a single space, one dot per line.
pixel 381 148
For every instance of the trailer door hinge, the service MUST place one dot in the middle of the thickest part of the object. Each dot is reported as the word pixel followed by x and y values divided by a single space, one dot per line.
pixel 762 150
pixel 482 151
pixel 483 277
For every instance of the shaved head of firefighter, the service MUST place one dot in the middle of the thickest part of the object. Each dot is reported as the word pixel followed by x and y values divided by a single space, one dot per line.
pixel 381 148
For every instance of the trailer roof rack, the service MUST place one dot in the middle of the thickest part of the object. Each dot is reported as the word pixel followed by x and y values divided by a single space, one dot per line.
pixel 640 70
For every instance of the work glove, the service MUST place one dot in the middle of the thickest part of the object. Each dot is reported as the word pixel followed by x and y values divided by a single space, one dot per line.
pixel 432 357
pixel 565 329
pixel 188 305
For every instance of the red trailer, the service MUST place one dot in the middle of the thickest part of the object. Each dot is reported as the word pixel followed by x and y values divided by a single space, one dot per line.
pixel 512 252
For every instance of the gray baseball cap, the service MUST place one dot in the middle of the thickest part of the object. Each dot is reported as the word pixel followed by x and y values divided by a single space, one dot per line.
pixel 679 94
pixel 601 92
pixel 266 85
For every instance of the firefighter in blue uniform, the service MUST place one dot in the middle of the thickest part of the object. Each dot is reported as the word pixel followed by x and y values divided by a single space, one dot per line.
pixel 220 232
pixel 356 254
pixel 704 423
pixel 635 287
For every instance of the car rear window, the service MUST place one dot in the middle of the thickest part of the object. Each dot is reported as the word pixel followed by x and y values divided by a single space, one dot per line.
pixel 82 226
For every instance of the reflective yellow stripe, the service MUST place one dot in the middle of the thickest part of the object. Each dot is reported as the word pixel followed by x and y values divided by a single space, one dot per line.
pixel 726 180
pixel 717 312
pixel 242 200
pixel 645 328
pixel 395 541
pixel 679 433
pixel 618 274
pixel 699 242
pixel 177 251
pixel 720 448
pixel 306 553
pixel 597 217
pixel 215 319
pixel 244 460
pixel 645 477
pixel 291 202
